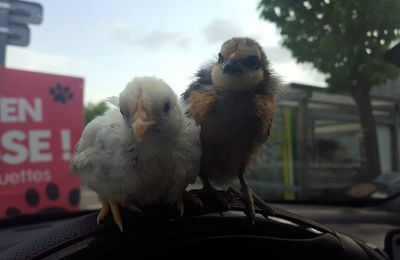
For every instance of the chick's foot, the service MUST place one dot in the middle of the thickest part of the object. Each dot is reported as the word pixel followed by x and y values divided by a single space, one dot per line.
pixel 193 198
pixel 104 211
pixel 116 215
pixel 209 190
pixel 251 199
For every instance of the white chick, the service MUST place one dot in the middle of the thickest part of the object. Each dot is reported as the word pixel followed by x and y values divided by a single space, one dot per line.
pixel 146 153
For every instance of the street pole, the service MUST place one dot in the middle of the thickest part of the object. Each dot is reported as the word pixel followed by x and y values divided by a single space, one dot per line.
pixel 15 16
pixel 3 34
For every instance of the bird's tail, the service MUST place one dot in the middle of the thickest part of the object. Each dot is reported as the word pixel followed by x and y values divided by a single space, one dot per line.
pixel 113 100
pixel 72 167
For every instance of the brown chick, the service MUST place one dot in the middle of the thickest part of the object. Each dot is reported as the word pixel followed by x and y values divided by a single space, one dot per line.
pixel 234 101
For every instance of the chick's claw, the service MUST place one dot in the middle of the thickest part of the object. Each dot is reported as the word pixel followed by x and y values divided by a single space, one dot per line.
pixel 104 211
pixel 133 207
pixel 180 205
pixel 251 199
pixel 193 198
pixel 267 210
pixel 106 207
pixel 116 215
pixel 248 198
pixel 217 195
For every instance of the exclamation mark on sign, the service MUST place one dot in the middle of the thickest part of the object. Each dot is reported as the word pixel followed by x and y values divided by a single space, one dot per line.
pixel 66 144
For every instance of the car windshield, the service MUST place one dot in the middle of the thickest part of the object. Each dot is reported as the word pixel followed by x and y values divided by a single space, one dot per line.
pixel 335 136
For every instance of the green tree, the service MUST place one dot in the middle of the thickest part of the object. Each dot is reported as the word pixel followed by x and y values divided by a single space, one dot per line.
pixel 346 40
pixel 93 110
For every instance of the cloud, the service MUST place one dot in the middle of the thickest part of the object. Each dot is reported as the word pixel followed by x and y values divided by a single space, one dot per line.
pixel 155 39
pixel 285 65
pixel 290 72
pixel 27 59
pixel 276 54
pixel 219 30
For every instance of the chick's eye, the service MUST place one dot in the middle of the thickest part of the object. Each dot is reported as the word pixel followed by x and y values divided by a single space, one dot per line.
pixel 252 62
pixel 122 112
pixel 220 58
pixel 166 107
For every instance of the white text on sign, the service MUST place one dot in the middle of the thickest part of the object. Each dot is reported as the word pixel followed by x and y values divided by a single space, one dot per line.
pixel 14 110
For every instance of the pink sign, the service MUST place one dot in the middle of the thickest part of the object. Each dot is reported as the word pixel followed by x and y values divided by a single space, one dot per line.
pixel 41 118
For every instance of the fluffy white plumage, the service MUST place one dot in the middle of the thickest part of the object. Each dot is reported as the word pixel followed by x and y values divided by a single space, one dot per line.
pixel 127 171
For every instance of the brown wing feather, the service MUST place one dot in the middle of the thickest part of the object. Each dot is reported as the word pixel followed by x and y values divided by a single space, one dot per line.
pixel 200 104
pixel 265 111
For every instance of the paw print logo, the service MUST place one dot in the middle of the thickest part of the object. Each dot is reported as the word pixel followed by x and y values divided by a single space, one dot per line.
pixel 52 193
pixel 61 93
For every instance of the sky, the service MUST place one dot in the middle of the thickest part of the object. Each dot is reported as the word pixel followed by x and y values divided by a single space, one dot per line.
pixel 110 42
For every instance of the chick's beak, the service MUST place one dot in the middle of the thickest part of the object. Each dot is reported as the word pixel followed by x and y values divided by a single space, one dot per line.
pixel 142 121
pixel 232 66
